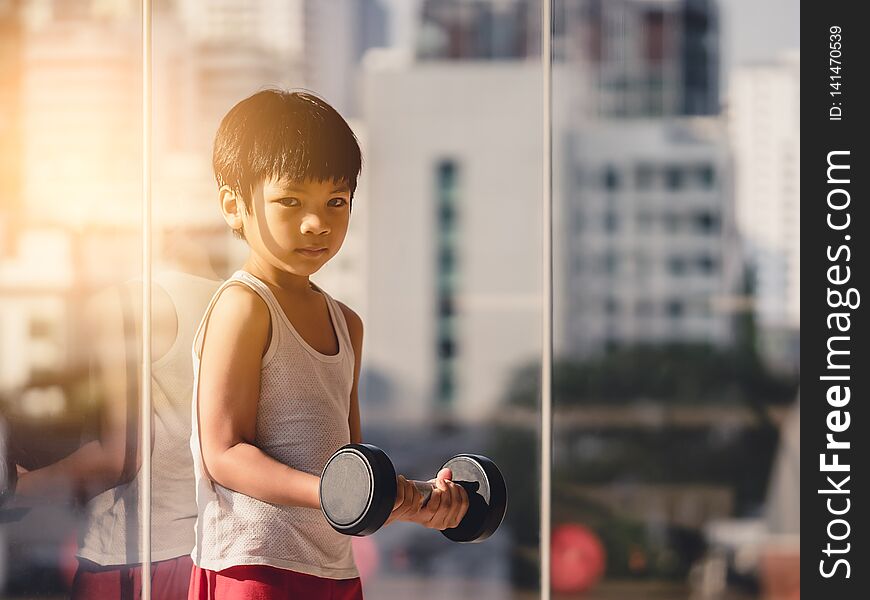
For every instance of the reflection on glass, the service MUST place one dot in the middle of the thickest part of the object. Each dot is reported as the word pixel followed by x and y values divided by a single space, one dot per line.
pixel 70 234
pixel 105 474
pixel 675 359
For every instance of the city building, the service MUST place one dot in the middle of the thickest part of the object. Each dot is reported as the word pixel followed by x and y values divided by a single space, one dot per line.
pixel 454 174
pixel 764 124
pixel 628 58
pixel 478 30
pixel 642 58
pixel 646 245
pixel 646 250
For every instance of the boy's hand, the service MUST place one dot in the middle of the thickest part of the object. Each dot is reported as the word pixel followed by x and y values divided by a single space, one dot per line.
pixel 408 501
pixel 447 504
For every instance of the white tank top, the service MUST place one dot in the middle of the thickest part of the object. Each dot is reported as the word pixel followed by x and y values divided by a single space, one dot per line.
pixel 302 419
pixel 110 535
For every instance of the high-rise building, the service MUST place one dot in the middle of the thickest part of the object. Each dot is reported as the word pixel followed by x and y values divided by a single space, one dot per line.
pixel 478 30
pixel 764 123
pixel 646 247
pixel 642 58
pixel 700 57
pixel 454 237
pixel 629 58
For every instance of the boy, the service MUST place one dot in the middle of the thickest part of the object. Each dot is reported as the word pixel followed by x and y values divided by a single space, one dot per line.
pixel 276 363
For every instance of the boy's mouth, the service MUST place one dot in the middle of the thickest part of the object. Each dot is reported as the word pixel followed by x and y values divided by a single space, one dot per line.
pixel 311 251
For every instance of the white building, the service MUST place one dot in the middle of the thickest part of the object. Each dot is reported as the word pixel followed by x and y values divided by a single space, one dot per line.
pixel 645 244
pixel 764 117
pixel 454 173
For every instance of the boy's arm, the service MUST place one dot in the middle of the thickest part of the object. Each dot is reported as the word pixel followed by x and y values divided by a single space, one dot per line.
pixel 355 328
pixel 229 388
pixel 114 458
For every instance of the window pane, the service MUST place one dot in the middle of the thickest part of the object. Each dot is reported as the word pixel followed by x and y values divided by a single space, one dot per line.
pixel 442 249
pixel 70 292
pixel 675 392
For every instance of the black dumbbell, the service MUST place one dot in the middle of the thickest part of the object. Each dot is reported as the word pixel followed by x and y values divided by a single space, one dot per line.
pixel 358 491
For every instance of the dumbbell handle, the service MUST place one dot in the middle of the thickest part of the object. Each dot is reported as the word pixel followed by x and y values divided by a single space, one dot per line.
pixel 426 488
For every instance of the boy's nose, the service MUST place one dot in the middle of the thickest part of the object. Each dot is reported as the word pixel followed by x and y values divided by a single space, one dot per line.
pixel 312 223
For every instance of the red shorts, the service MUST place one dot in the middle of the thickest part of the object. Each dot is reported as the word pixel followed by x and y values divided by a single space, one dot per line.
pixel 261 582
pixel 170 580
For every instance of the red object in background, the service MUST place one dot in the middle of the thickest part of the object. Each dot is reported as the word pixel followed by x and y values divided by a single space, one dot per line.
pixel 577 559
pixel 781 573
pixel 367 557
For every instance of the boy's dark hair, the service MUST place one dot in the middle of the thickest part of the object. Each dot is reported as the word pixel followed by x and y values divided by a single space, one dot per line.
pixel 278 133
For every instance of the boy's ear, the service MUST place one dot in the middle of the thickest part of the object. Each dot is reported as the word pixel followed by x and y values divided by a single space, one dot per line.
pixel 231 207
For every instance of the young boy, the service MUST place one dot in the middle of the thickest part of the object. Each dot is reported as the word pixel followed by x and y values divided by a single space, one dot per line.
pixel 277 361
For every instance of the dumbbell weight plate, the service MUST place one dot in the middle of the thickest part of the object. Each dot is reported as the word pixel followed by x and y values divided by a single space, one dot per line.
pixel 358 489
pixel 487 496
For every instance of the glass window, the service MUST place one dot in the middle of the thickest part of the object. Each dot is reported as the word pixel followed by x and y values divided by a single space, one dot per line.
pixel 674 178
pixel 71 293
pixel 707 222
pixel 675 308
pixel 441 252
pixel 611 178
pixel 644 177
pixel 645 498
pixel 609 262
pixel 677 265
pixel 708 264
pixel 706 175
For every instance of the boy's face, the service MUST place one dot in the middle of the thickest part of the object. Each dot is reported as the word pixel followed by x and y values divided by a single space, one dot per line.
pixel 297 226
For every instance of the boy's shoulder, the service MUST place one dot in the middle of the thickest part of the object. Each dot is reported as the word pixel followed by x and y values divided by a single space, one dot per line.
pixel 353 320
pixel 240 304
pixel 242 294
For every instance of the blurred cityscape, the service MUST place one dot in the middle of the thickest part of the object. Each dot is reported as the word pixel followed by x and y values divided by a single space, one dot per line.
pixel 676 267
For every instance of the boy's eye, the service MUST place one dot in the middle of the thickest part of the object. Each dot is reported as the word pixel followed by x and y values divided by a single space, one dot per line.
pixel 288 201
pixel 340 201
